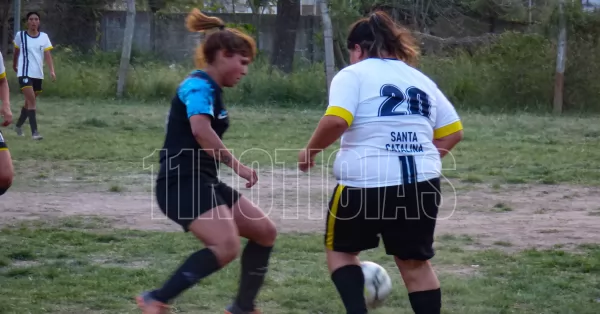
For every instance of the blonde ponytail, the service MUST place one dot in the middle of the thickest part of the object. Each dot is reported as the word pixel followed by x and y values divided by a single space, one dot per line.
pixel 231 40
pixel 197 21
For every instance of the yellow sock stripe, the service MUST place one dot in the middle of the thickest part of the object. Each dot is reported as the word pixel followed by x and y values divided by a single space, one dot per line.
pixel 3 149
pixel 2 75
pixel 447 130
pixel 340 112
pixel 332 214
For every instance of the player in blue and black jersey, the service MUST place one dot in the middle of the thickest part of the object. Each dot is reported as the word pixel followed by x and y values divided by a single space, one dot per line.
pixel 188 189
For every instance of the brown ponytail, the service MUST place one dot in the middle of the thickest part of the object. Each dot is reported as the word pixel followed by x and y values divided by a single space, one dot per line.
pixel 378 33
pixel 231 40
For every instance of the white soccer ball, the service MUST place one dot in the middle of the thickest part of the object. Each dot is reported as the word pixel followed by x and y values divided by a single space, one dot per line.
pixel 378 284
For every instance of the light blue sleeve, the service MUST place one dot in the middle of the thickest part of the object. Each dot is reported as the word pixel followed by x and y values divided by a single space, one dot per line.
pixel 197 95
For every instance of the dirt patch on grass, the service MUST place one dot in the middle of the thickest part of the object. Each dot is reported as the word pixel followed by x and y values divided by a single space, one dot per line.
pixel 517 216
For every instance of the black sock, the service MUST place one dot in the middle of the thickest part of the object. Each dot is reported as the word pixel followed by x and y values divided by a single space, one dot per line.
pixel 255 260
pixel 22 117
pixel 350 283
pixel 32 121
pixel 426 302
pixel 199 265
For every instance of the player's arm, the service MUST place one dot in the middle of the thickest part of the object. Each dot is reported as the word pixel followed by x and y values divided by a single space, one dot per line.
pixel 210 141
pixel 49 61
pixel 448 130
pixel 343 101
pixel 48 56
pixel 197 96
pixel 6 167
pixel 4 95
pixel 4 91
pixel 16 53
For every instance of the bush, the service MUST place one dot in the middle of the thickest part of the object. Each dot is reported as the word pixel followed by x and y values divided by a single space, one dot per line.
pixel 95 75
pixel 514 74
pixel 517 74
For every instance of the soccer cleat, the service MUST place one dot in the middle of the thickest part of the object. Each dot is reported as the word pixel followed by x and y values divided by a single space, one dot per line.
pixel 19 131
pixel 37 136
pixel 234 309
pixel 150 306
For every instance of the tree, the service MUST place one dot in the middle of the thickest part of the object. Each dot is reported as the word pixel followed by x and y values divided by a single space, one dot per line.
pixel 127 42
pixel 495 10
pixel 561 56
pixel 183 6
pixel 156 5
pixel 284 41
pixel 5 10
pixel 75 22
pixel 328 41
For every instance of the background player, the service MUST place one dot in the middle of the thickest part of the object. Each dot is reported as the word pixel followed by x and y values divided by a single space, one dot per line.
pixel 188 190
pixel 396 126
pixel 6 166
pixel 32 47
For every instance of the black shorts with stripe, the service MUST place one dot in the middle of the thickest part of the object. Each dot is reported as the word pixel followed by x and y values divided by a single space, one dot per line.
pixel 404 216
pixel 186 198
pixel 35 83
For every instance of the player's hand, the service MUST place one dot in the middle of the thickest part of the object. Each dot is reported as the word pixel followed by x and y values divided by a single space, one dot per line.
pixel 247 173
pixel 305 160
pixel 53 76
pixel 7 114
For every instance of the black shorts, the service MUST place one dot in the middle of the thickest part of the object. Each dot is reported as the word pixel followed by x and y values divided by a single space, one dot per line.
pixel 403 215
pixel 186 199
pixel 3 147
pixel 35 83
pixel 2 142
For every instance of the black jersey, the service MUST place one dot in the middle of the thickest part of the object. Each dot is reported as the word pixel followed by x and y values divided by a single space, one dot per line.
pixel 181 154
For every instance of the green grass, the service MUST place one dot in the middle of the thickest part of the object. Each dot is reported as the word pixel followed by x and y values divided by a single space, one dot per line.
pixel 117 143
pixel 82 265
pixel 78 267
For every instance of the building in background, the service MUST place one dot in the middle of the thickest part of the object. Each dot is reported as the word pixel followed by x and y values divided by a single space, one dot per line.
pixel 590 5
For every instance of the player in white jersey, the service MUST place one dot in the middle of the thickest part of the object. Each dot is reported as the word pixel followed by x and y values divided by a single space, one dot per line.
pixel 395 126
pixel 32 47
pixel 6 166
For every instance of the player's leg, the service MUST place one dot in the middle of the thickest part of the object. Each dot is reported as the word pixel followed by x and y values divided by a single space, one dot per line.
pixel 6 167
pixel 32 109
pixel 348 232
pixel 254 225
pixel 25 84
pixel 201 211
pixel 409 238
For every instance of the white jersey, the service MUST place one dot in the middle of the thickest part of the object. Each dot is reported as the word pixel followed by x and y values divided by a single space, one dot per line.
pixel 394 112
pixel 31 54
pixel 2 68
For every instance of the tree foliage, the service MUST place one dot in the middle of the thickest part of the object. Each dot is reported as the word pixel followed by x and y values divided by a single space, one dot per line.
pixel 75 20
pixel 509 10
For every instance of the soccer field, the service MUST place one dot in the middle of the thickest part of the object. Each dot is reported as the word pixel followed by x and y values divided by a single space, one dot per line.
pixel 79 231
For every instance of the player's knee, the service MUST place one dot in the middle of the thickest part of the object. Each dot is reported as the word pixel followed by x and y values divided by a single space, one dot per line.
pixel 412 269
pixel 269 234
pixel 227 249
pixel 411 265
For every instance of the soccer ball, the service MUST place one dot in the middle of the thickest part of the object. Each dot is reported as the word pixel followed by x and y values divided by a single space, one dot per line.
pixel 378 284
